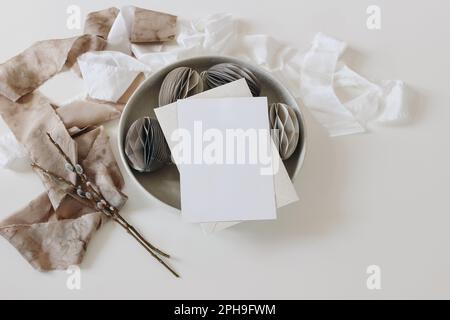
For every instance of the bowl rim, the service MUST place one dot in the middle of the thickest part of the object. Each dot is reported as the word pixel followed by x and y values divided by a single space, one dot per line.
pixel 121 128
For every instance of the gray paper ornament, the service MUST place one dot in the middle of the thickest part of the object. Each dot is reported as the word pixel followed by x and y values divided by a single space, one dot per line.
pixel 145 146
pixel 179 83
pixel 284 119
pixel 224 73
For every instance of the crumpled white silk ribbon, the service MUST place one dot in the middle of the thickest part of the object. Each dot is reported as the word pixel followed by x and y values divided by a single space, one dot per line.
pixel 12 154
pixel 317 77
pixel 340 99
pixel 108 75
pixel 325 82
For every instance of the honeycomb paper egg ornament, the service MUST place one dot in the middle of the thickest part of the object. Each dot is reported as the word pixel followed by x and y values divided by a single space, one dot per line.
pixel 145 146
pixel 179 83
pixel 284 119
pixel 224 73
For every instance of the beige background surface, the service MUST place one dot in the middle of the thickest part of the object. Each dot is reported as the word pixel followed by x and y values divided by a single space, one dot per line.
pixel 378 198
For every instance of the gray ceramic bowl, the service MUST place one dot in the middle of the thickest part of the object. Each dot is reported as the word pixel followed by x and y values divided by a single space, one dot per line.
pixel 164 184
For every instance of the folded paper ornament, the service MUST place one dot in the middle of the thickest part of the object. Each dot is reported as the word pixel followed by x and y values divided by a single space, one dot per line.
pixel 180 83
pixel 145 146
pixel 224 73
pixel 284 120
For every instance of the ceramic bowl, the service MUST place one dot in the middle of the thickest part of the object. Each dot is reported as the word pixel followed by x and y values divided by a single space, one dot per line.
pixel 164 184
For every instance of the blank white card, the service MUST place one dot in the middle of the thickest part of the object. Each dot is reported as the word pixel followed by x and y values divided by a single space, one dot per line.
pixel 222 185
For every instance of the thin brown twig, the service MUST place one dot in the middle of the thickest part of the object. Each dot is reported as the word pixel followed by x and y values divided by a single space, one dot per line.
pixel 144 242
pixel 125 224
pixel 53 175
pixel 98 202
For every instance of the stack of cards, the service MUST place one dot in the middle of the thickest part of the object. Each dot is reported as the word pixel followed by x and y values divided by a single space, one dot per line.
pixel 230 170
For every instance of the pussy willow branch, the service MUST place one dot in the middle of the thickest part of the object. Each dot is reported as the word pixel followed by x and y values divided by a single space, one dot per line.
pixel 113 212
pixel 95 200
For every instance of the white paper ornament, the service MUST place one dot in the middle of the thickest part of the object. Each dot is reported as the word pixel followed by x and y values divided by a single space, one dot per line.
pixel 284 119
pixel 224 73
pixel 180 83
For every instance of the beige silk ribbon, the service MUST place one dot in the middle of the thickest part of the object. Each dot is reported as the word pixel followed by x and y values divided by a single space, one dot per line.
pixel 53 230
pixel 99 23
